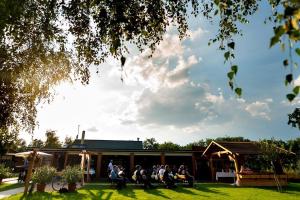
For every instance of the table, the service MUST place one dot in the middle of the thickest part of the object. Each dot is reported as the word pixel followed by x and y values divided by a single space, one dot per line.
pixel 225 175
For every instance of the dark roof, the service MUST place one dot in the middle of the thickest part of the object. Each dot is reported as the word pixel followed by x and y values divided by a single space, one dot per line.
pixel 198 148
pixel 108 144
pixel 245 148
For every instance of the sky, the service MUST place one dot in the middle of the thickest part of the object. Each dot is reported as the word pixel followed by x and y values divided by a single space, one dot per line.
pixel 181 93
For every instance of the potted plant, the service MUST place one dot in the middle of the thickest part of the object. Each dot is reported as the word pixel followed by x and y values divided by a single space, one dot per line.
pixel 4 172
pixel 42 176
pixel 72 175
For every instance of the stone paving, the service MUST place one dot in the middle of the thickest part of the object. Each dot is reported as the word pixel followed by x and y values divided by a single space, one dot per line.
pixel 10 192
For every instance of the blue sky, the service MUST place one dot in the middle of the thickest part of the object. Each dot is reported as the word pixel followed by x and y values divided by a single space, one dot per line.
pixel 180 94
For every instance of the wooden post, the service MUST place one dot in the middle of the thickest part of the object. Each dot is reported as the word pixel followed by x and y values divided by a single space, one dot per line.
pixel 66 160
pixel 131 162
pixel 162 158
pixel 83 166
pixel 99 161
pixel 54 158
pixel 29 172
pixel 211 168
pixel 194 167
pixel 88 178
pixel 236 166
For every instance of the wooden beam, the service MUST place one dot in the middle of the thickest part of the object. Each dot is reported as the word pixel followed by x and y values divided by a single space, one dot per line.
pixel 220 152
pixel 99 162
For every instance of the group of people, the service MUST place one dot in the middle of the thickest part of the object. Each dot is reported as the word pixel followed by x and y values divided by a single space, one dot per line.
pixel 159 173
pixel 169 176
pixel 117 175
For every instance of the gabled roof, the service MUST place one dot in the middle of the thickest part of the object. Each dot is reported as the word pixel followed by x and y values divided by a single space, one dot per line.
pixel 108 144
pixel 241 148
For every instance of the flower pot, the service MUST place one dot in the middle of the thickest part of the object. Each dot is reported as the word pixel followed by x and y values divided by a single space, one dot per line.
pixel 72 187
pixel 40 187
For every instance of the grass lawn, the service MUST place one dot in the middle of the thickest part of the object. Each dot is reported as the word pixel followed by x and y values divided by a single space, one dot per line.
pixel 200 191
pixel 7 186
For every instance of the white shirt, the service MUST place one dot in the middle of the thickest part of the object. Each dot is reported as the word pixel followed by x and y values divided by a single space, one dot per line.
pixel 161 172
pixel 110 166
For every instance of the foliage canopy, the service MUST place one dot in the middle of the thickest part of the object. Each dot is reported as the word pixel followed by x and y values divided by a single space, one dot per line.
pixel 44 42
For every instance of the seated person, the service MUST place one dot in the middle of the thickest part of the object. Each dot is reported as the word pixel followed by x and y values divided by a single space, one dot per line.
pixel 140 176
pixel 137 174
pixel 161 172
pixel 154 174
pixel 168 178
pixel 184 174
pixel 120 181
pixel 145 179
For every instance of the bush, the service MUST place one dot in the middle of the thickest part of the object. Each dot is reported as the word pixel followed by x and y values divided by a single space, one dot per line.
pixel 4 171
pixel 72 174
pixel 43 175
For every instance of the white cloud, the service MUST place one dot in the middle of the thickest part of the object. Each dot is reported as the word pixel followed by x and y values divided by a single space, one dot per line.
pixel 297 81
pixel 194 35
pixel 259 109
pixel 168 67
pixel 92 129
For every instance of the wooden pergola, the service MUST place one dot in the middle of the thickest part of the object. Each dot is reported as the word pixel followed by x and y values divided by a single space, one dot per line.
pixel 35 158
pixel 237 152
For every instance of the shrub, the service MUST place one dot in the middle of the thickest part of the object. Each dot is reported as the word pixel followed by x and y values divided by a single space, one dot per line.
pixel 4 171
pixel 43 175
pixel 72 174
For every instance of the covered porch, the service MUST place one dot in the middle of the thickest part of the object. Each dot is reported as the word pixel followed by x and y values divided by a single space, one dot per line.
pixel 239 161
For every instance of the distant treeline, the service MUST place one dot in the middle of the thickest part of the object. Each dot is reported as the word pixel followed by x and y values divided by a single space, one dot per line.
pixel 151 143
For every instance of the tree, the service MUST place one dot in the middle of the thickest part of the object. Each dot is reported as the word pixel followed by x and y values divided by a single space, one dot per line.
pixel 52 140
pixel 200 143
pixel 169 146
pixel 7 139
pixel 151 144
pixel 36 52
pixel 37 143
pixel 68 141
pixel 19 145
pixel 294 118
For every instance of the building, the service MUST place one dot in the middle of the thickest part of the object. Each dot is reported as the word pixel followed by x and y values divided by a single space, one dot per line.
pixel 127 154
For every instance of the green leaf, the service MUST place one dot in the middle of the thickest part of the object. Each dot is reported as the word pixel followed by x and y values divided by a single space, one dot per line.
pixel 279 31
pixel 230 75
pixel 297 51
pixel 231 45
pixel 290 97
pixel 238 91
pixel 226 55
pixel 289 78
pixel 296 90
pixel 123 60
pixel 216 12
pixel 234 68
pixel 231 84
pixel 274 40
pixel 285 62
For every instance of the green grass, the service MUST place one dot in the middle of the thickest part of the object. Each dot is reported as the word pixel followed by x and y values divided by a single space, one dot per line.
pixel 7 186
pixel 200 191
